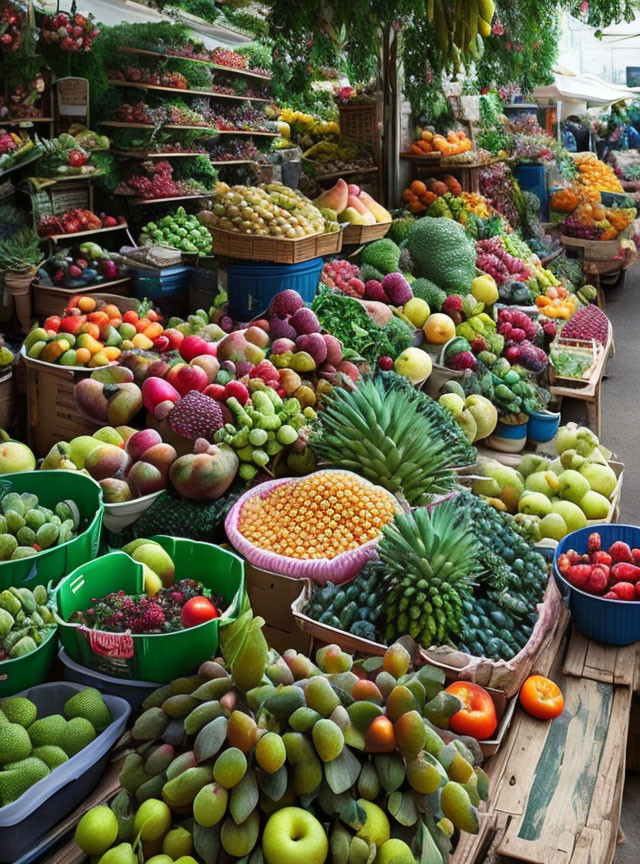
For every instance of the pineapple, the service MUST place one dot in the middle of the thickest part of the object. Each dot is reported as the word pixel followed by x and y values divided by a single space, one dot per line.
pixel 428 563
pixel 391 435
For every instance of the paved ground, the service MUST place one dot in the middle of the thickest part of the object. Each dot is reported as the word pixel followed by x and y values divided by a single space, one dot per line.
pixel 621 433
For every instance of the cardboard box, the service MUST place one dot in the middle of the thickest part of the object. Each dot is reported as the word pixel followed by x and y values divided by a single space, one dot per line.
pixel 271 596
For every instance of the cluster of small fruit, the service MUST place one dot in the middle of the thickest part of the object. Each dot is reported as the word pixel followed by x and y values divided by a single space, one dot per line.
pixel 88 264
pixel 12 21
pixel 25 620
pixel 244 118
pixel 365 754
pixel 74 221
pixel 94 333
pixel 149 76
pixel 267 210
pixel 613 575
pixel 237 148
pixel 180 231
pixel 342 274
pixel 158 182
pixel 28 528
pixel 141 112
pixel 32 747
pixel 72 32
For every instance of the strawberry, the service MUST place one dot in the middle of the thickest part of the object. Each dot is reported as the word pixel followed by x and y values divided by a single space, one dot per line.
pixel 597 581
pixel 594 542
pixel 634 552
pixel 601 557
pixel 564 563
pixel 265 370
pixel 579 575
pixel 573 556
pixel 216 391
pixel 610 595
pixel 624 591
pixel 237 389
pixel 620 551
pixel 623 572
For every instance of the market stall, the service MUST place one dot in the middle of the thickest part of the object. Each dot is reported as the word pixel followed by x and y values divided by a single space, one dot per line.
pixel 299 558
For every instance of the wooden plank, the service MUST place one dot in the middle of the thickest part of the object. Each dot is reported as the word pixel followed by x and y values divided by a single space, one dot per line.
pixel 613 755
pixel 558 801
pixel 576 654
pixel 528 744
pixel 600 662
pixel 141 85
pixel 625 668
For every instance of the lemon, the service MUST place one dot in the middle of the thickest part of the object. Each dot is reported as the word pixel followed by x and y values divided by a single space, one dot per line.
pixel 97 830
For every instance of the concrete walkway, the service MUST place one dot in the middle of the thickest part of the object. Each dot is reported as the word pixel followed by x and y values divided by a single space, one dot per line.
pixel 621 433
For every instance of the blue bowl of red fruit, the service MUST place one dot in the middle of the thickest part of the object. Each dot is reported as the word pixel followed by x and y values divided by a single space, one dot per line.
pixel 597 570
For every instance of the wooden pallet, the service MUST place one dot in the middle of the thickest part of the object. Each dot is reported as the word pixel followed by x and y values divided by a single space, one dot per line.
pixel 556 788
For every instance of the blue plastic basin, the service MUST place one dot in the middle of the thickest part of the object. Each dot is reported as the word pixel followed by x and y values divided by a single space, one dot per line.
pixel 542 426
pixel 613 622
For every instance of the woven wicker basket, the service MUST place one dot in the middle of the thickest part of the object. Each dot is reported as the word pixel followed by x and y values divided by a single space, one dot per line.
pixel 249 247
pixel 359 234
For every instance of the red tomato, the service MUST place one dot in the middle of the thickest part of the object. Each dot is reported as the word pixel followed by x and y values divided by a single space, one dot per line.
pixel 477 717
pixel 542 698
pixel 197 610
pixel 77 158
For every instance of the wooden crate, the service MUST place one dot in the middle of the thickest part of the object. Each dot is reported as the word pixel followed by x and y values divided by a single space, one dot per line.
pixel 359 125
pixel 48 300
pixel 51 412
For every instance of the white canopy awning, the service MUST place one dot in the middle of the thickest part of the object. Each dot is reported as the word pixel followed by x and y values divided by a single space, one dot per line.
pixel 584 88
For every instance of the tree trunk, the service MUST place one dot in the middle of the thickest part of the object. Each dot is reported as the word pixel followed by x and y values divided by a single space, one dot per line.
pixel 390 114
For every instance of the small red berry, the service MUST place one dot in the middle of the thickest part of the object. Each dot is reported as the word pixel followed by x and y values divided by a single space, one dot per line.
pixel 385 363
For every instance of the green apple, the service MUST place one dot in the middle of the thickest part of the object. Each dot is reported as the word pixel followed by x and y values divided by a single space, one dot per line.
pixel 109 435
pixel 452 402
pixel 567 437
pixel 571 513
pixel 395 852
pixel 511 483
pixel 601 478
pixel 540 481
pixel 484 413
pixel 594 505
pixel 573 486
pixel 535 504
pixel 293 836
pixel 532 463
pixel 553 526
pixel 486 486
pixel 80 448
pixel 414 364
pixel 376 828
pixel 556 466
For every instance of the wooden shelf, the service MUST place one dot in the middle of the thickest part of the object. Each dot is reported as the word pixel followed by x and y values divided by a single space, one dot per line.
pixel 53 181
pixel 332 174
pixel 25 120
pixel 213 65
pixel 56 237
pixel 142 86
pixel 141 154
pixel 211 131
pixel 247 132
pixel 134 201
pixel 121 124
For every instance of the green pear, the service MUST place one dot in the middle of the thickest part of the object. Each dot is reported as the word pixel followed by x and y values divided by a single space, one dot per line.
pixel 553 526
pixel 80 448
pixel 573 486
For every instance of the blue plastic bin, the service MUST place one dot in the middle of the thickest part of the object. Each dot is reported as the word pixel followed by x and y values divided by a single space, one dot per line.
pixel 252 287
pixel 24 821
pixel 160 282
pixel 542 426
pixel 533 178
pixel 613 622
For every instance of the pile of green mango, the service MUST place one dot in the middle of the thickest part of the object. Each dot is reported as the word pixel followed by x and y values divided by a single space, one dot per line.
pixel 26 528
pixel 25 621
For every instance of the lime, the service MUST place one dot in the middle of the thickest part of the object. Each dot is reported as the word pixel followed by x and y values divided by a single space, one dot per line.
pixel 97 830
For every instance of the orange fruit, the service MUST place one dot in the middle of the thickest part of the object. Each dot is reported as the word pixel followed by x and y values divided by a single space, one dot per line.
pixel 418 188
pixel 91 328
pixel 380 737
pixel 87 304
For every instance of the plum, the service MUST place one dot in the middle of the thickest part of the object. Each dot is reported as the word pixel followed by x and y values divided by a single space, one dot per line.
pixel 280 328
pixel 313 344
pixel 305 321
pixel 334 349
pixel 285 303
pixel 141 441
pixel 107 460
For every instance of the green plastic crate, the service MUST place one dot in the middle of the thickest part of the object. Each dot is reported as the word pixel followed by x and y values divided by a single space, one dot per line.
pixel 52 564
pixel 24 672
pixel 154 657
